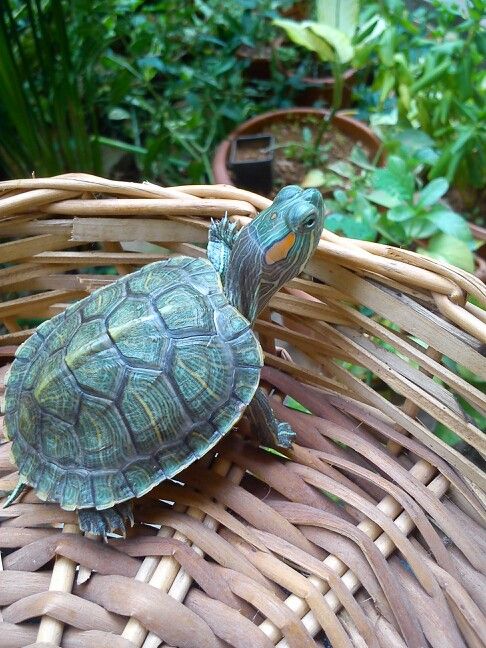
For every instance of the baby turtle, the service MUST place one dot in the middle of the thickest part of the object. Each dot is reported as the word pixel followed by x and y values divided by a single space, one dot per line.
pixel 130 385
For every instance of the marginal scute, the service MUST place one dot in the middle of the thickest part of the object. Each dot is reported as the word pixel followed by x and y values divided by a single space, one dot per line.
pixel 61 334
pixel 29 417
pixel 142 475
pixel 247 352
pixel 78 491
pixel 245 380
pixel 152 279
pixel 106 484
pixel 182 309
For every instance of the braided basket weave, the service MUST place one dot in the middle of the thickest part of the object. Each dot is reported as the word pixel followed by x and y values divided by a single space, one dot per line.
pixel 368 533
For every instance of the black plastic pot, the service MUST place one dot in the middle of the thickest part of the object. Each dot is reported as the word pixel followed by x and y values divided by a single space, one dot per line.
pixel 253 173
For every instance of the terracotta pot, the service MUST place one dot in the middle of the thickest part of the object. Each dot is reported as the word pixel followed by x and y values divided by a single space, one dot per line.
pixel 480 233
pixel 354 129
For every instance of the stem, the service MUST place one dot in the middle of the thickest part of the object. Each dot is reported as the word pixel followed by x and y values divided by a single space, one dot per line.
pixel 337 99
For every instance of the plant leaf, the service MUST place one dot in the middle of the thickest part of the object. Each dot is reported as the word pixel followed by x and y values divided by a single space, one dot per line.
pixel 340 14
pixel 313 178
pixel 401 213
pixel 431 193
pixel 383 198
pixel 448 248
pixel 338 40
pixel 301 35
pixel 450 223
pixel 395 179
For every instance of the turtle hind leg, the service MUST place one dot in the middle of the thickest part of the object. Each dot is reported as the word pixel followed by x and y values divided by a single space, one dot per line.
pixel 110 520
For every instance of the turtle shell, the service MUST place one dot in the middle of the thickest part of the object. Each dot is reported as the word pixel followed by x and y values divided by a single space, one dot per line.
pixel 130 385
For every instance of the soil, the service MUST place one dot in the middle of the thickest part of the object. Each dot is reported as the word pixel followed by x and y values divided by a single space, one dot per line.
pixel 292 170
pixel 252 151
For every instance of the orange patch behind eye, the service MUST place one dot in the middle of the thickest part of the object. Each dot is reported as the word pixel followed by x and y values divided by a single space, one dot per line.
pixel 279 250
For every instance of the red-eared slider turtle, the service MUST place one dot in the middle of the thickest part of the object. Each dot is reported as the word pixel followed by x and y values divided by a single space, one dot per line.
pixel 130 385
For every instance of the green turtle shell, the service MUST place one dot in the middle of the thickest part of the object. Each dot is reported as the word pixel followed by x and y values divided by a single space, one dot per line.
pixel 130 385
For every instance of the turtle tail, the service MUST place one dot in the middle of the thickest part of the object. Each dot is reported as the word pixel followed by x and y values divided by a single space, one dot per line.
pixel 18 490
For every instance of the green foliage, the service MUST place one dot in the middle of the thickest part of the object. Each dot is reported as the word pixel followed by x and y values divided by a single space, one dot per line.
pixel 82 84
pixel 390 205
pixel 430 76
pixel 47 89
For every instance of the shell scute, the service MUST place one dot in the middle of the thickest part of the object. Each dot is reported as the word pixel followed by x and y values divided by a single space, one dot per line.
pixel 152 406
pixel 58 441
pixel 93 361
pixel 55 390
pixel 229 323
pixel 77 490
pixel 203 370
pixel 60 335
pixel 183 309
pixel 29 417
pixel 101 302
pixel 103 437
pixel 137 333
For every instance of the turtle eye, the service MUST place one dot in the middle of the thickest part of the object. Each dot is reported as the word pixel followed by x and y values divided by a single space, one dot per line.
pixel 310 221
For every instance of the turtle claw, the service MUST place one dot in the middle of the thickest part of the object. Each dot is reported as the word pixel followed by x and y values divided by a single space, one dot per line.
pixel 285 435
pixel 109 520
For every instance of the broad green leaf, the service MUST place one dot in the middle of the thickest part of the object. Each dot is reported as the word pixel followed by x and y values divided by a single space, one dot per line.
pixel 358 230
pixel 431 193
pixel 338 40
pixel 401 213
pixel 420 228
pixel 334 222
pixel 342 168
pixel 448 248
pixel 450 223
pixel 395 179
pixel 339 14
pixel 313 178
pixel 383 198
pixel 301 35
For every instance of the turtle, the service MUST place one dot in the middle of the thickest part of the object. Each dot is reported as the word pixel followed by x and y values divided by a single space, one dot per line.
pixel 130 385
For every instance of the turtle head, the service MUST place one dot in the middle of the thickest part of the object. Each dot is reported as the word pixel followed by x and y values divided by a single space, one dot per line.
pixel 274 248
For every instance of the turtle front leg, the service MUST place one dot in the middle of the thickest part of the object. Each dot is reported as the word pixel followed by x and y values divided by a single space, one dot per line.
pixel 269 431
pixel 222 236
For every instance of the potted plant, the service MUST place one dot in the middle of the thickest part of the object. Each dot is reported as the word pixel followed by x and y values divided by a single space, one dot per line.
pixel 338 41
pixel 306 136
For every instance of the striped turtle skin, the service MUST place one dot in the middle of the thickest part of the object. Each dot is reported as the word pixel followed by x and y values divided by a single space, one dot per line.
pixel 130 385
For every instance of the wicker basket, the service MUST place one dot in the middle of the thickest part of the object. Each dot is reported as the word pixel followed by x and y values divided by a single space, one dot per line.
pixel 369 532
